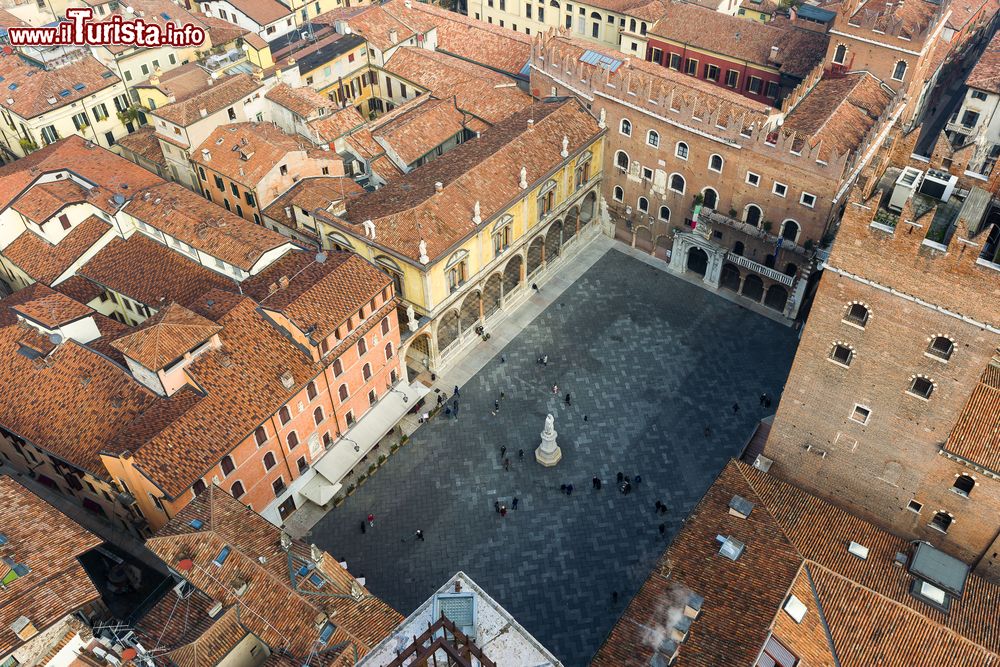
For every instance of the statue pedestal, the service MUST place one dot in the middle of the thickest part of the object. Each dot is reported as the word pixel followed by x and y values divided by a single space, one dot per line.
pixel 548 453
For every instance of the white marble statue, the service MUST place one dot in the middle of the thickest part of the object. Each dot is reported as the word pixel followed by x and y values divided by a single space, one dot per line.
pixel 565 145
pixel 476 213
pixel 424 259
pixel 602 121
pixel 524 178
pixel 411 318
pixel 548 452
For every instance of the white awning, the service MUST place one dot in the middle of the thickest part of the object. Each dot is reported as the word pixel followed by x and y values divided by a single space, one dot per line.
pixel 320 490
pixel 368 430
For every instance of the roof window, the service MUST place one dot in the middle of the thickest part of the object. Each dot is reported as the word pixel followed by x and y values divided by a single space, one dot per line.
pixel 221 558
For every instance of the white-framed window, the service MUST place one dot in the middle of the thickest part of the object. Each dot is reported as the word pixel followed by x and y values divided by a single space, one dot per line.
pixel 664 214
pixel 842 353
pixel 940 347
pixel 921 386
pixel 899 71
pixel 753 179
pixel 964 484
pixel 857 314
pixel 779 189
pixel 715 163
pixel 619 194
pixel 677 183
pixel 808 200
pixel 643 204
pixel 647 174
pixel 840 54
pixel 681 150
pixel 653 138
pixel 789 231
pixel 625 127
pixel 622 160
pixel 860 413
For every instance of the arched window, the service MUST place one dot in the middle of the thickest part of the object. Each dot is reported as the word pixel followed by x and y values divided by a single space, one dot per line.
pixel 642 28
pixel 941 347
pixel 715 163
pixel 318 416
pixel 342 392
pixel 311 390
pixel 631 25
pixel 857 314
pixel 260 435
pixel 791 269
pixel 664 214
pixel 284 416
pixel 237 489
pixel 752 215
pixel 963 485
pixel 790 230
pixel 738 248
pixel 681 150
pixel 227 465
pixel 366 372
pixel 269 461
pixel 840 54
pixel 643 204
pixel 388 351
pixel 941 521
pixel 921 386
pixel 292 439
pixel 842 354
pixel 339 242
pixel 362 347
pixel 622 160
pixel 677 183
pixel 653 138
pixel 710 198
pixel 625 127
pixel 338 368
pixel 619 194
pixel 389 266
pixel 899 71
pixel 197 487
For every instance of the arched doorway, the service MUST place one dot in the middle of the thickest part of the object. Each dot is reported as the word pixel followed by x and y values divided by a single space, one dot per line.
pixel 553 241
pixel 512 274
pixel 535 254
pixel 711 198
pixel 753 287
pixel 418 356
pixel 469 314
pixel 587 210
pixel 447 330
pixel 697 261
pixel 492 294
pixel 644 239
pixel 730 277
pixel 777 297
pixel 790 230
pixel 752 215
pixel 791 269
pixel 569 227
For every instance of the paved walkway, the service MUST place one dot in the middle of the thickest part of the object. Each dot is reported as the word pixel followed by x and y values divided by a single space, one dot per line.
pixel 650 361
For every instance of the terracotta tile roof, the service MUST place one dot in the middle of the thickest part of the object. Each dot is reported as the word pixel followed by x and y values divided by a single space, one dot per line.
pixel 477 90
pixel 483 43
pixel 221 32
pixel 373 23
pixel 960 13
pixel 337 124
pixel 48 543
pixel 80 289
pixel 49 308
pixel 9 20
pixel 311 194
pixel 246 152
pixel 45 262
pixel 652 11
pixel 280 605
pixel 839 112
pixel 976 436
pixel 79 399
pixel 385 168
pixel 36 86
pixel 915 16
pixel 180 82
pixel 44 200
pixel 149 272
pixel 318 297
pixel 303 101
pixel 198 222
pixel 112 173
pixel 796 543
pixel 221 94
pixel 172 623
pixel 159 12
pixel 143 142
pixel 799 50
pixel 213 645
pixel 986 74
pixel 420 127
pixel 486 170
pixel 165 337
pixel 364 143
pixel 261 12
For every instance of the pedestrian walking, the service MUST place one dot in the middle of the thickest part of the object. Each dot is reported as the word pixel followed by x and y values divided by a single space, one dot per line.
pixel 562 488
pixel 420 535
pixel 767 402
pixel 627 480
pixel 503 450
pixel 555 389
pixel 513 503
pixel 440 399
pixel 620 477
pixel 502 395
pixel 456 390
pixel 599 483
pixel 520 454
pixel 447 412
pixel 503 359
pixel 708 432
pixel 658 506
pixel 614 596
pixel 496 406
pixel 496 506
pixel 534 286
pixel 506 465
pixel 763 399
pixel 503 511
pixel 736 408
pixel 569 400
pixel 596 482
pixel 364 527
pixel 663 529
pixel 569 489
pixel 585 418
pixel 545 360
pixel 371 520
pixel 663 508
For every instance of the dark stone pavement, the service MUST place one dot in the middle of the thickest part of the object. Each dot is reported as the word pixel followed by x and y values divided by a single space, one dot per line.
pixel 652 361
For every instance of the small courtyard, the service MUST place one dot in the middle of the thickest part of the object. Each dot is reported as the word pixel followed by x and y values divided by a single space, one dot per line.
pixel 650 362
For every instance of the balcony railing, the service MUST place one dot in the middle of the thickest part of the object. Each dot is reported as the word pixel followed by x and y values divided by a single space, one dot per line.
pixel 716 218
pixel 756 267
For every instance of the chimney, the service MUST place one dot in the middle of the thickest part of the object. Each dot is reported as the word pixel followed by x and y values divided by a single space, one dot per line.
pixel 283 282
pixel 215 610
pixel 531 123
pixel 288 381
pixel 286 539
pixel 439 186
pixel 240 586
pixel 23 628
pixel 272 288
pixel 206 155
pixel 774 51
pixel 288 212
pixel 393 37
pixel 203 112
pixel 211 81
pixel 316 554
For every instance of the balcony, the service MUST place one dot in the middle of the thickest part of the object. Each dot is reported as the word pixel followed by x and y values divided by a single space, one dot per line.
pixel 756 267
pixel 716 218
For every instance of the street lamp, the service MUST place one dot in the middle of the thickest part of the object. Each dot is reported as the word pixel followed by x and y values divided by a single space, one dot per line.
pixel 357 447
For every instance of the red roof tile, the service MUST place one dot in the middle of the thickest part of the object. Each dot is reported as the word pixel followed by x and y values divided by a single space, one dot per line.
pixel 165 337
pixel 221 94
pixel 49 308
pixel 143 142
pixel 976 436
pixel 986 74
pixel 40 90
pixel 45 262
pixel 419 127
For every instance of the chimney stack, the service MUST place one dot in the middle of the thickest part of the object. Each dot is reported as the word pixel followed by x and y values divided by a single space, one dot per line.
pixel 393 37
pixel 439 186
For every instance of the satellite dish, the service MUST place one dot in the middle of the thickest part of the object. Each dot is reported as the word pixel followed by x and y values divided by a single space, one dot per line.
pixel 56 339
pixel 321 257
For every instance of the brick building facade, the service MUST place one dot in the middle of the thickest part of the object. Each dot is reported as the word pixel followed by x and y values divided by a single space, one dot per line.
pixel 879 414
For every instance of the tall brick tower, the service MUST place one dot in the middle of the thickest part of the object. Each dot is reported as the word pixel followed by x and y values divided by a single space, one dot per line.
pixel 892 407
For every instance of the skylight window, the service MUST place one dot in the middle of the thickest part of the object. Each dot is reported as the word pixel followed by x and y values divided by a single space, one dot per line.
pixel 78 87
pixel 326 632
pixel 316 580
pixel 197 524
pixel 12 86
pixel 221 558
pixel 64 93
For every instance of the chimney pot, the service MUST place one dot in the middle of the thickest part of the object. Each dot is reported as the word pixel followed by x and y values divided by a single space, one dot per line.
pixel 283 282
pixel 393 37
pixel 439 186
pixel 531 123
